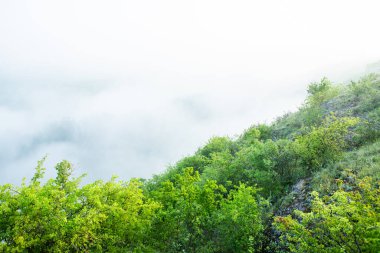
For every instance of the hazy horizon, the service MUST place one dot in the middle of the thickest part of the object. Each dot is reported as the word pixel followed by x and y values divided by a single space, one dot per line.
pixel 127 88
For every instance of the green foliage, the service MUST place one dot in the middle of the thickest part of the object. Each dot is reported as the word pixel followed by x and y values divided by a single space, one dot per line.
pixel 187 206
pixel 259 132
pixel 198 162
pixel 364 94
pixel 318 88
pixel 255 165
pixel 59 216
pixel 216 145
pixel 195 216
pixel 238 222
pixel 359 99
pixel 287 163
pixel 320 93
pixel 347 221
pixel 324 144
pixel 354 165
pixel 369 129
pixel 219 168
pixel 311 114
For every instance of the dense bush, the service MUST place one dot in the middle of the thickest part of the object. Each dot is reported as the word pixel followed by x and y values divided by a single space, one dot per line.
pixel 60 216
pixel 324 144
pixel 347 221
pixel 197 216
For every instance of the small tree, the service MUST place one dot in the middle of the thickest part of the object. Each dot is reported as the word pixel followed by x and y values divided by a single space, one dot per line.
pixel 239 223
pixel 324 144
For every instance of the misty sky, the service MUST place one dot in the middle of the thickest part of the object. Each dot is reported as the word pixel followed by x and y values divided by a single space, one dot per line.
pixel 129 87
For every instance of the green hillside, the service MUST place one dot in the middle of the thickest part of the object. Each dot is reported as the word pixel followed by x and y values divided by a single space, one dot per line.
pixel 308 182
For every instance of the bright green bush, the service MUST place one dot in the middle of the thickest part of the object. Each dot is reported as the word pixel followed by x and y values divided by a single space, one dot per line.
pixel 324 144
pixel 197 217
pixel 216 145
pixel 239 224
pixel 60 216
pixel 347 221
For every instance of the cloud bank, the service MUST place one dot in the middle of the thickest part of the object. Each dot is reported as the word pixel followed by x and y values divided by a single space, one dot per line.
pixel 128 87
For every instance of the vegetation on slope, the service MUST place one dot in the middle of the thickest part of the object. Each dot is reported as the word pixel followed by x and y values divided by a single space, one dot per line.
pixel 232 195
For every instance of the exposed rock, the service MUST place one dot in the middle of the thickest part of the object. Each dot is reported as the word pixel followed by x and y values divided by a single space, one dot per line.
pixel 297 199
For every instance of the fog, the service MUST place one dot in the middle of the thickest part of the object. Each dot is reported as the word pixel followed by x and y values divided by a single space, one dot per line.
pixel 130 87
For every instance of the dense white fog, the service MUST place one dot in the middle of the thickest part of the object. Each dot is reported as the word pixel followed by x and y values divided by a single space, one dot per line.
pixel 129 87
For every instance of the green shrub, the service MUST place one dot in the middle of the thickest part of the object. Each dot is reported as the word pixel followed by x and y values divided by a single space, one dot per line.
pixel 347 221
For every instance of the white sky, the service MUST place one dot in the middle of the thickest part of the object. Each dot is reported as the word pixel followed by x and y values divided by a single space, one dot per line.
pixel 128 87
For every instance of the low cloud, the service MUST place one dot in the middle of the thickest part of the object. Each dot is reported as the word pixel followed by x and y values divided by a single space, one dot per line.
pixel 129 87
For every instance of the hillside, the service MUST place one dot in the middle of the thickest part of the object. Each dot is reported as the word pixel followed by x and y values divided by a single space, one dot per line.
pixel 308 182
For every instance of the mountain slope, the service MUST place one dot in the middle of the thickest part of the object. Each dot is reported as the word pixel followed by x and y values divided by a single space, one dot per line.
pixel 308 182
